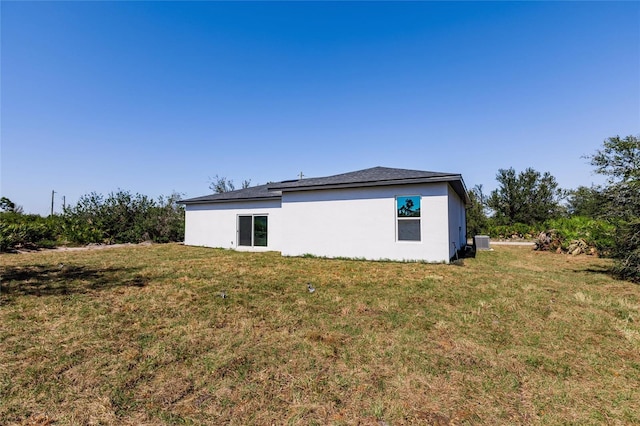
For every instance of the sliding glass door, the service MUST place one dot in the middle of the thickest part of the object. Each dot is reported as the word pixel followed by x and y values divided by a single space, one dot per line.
pixel 252 231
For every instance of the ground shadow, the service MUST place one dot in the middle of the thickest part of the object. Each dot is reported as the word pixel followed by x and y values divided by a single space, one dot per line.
pixel 48 280
pixel 595 269
pixel 466 252
pixel 610 271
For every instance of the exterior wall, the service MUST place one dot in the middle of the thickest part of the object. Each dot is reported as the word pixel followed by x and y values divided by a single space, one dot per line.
pixel 215 224
pixel 457 222
pixel 361 222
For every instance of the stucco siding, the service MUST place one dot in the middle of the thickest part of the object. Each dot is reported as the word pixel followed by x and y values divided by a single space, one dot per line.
pixel 457 222
pixel 215 224
pixel 361 222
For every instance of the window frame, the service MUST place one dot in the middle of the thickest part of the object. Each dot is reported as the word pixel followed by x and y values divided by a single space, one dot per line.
pixel 399 218
pixel 253 229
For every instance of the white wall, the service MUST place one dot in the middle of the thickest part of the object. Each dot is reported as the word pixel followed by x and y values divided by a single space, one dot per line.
pixel 215 225
pixel 361 222
pixel 457 222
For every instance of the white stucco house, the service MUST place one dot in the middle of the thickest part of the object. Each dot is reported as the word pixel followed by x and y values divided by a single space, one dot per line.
pixel 377 213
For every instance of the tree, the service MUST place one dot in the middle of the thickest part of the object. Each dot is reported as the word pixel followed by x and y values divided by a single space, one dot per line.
pixel 527 197
pixel 627 250
pixel 587 201
pixel 6 205
pixel 477 221
pixel 619 160
pixel 221 184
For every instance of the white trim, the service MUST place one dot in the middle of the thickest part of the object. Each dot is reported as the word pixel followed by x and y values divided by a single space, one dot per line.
pixel 397 218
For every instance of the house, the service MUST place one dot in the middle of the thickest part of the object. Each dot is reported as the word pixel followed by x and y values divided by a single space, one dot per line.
pixel 377 213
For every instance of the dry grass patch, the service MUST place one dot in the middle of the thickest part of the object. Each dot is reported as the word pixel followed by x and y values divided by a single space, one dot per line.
pixel 140 335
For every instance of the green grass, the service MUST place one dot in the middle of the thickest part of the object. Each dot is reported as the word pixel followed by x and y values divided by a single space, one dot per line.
pixel 140 335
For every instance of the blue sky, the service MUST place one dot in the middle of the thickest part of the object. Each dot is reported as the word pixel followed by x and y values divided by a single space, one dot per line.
pixel 156 97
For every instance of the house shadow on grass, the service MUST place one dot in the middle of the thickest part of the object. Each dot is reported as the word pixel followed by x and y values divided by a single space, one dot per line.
pixel 47 280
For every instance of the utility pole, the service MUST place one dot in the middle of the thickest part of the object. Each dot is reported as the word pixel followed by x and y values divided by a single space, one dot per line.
pixel 52 197
pixel 301 175
pixel 64 202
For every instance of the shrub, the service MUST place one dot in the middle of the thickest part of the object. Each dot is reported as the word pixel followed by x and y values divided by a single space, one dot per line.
pixel 25 231
pixel 77 230
pixel 119 218
pixel 627 251
pixel 122 217
pixel 516 230
pixel 164 221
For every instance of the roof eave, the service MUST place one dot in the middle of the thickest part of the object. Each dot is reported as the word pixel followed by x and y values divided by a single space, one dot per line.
pixel 405 181
pixel 461 190
pixel 228 200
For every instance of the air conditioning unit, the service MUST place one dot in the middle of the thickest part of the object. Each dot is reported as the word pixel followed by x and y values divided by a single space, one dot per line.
pixel 482 242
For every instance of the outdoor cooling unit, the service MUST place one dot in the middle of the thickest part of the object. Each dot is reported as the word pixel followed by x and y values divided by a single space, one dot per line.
pixel 481 242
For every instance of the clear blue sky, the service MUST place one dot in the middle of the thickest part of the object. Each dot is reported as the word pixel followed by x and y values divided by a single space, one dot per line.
pixel 156 97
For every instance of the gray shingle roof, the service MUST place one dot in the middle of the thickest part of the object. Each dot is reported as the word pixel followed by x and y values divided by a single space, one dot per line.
pixel 259 192
pixel 375 176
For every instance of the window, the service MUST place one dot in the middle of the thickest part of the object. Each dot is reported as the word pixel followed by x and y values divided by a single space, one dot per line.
pixel 408 218
pixel 252 231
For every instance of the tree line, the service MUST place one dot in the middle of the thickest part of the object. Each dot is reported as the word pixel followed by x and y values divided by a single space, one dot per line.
pixel 606 217
pixel 119 217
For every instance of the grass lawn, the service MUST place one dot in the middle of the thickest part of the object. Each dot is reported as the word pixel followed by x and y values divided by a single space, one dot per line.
pixel 140 335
